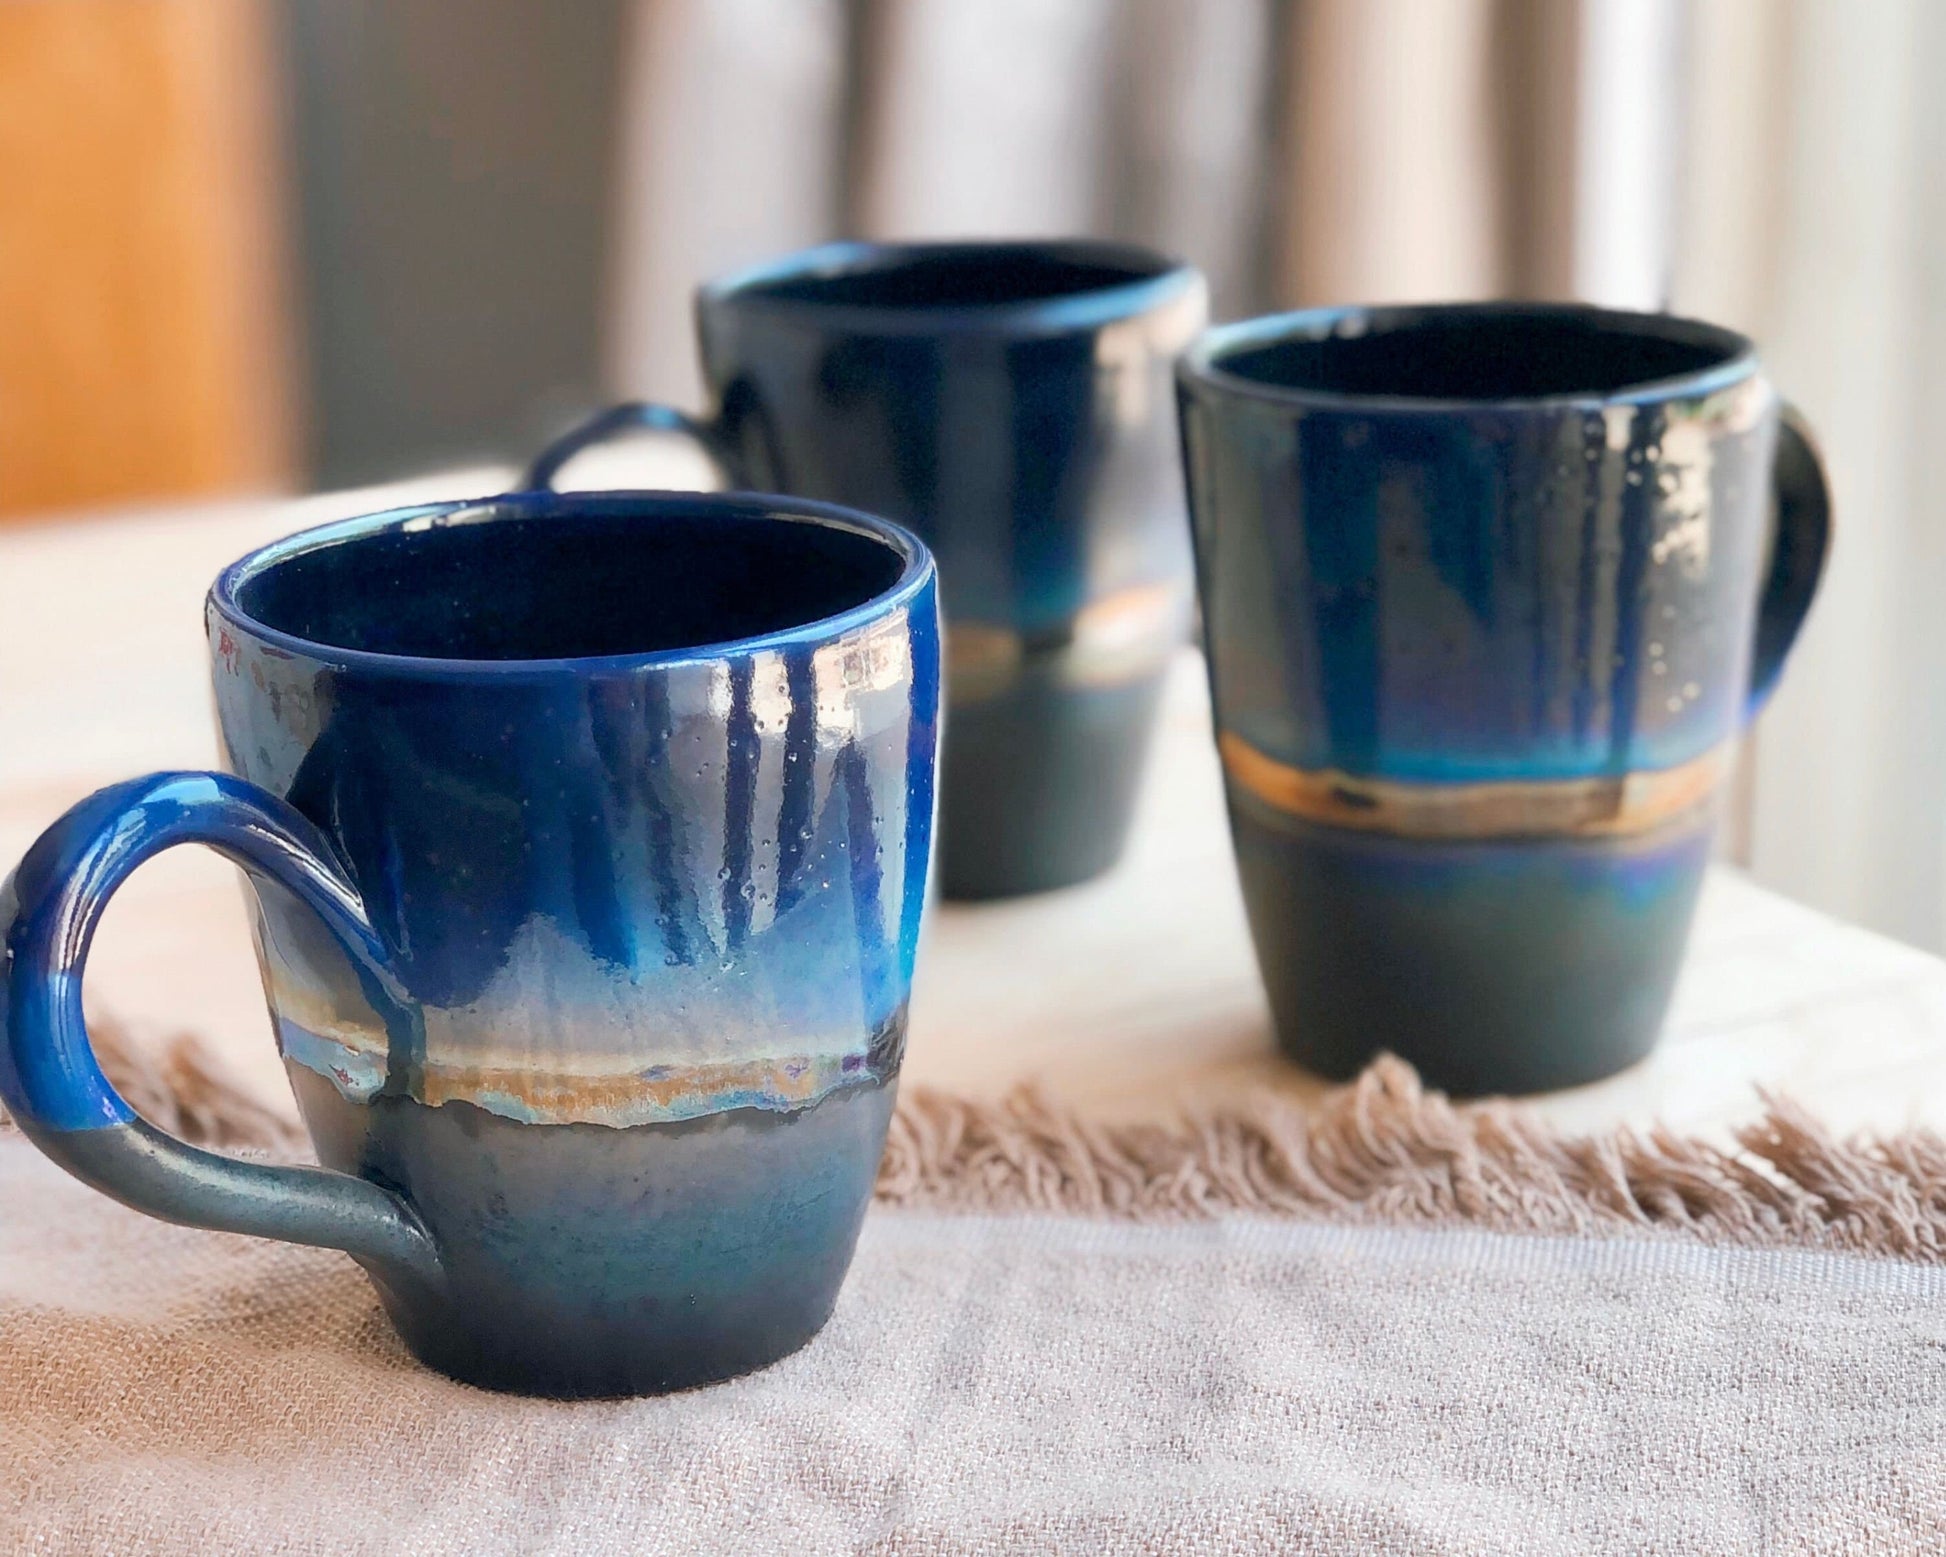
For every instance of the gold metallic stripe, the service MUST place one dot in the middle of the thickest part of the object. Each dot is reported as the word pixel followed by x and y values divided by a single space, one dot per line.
pixel 981 660
pixel 1530 808
pixel 1118 638
pixel 670 1093
pixel 356 1061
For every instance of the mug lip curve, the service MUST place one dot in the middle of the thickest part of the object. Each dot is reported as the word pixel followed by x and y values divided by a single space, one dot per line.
pixel 1202 362
pixel 916 572
pixel 1155 278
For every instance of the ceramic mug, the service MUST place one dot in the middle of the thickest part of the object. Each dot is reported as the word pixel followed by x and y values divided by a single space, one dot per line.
pixel 589 837
pixel 1011 403
pixel 1490 593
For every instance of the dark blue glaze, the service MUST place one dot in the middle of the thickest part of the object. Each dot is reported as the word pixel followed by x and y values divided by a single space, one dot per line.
pixel 1489 592
pixel 590 838
pixel 1010 403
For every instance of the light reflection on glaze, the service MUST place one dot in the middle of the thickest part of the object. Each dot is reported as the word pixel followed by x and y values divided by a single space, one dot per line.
pixel 1432 632
pixel 681 889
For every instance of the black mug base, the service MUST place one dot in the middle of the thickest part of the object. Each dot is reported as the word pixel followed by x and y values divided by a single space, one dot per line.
pixel 625 1371
pixel 1511 966
pixel 1039 784
pixel 585 1261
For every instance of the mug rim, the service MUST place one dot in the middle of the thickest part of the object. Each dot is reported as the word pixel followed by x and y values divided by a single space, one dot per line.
pixel 1202 363
pixel 916 570
pixel 1154 278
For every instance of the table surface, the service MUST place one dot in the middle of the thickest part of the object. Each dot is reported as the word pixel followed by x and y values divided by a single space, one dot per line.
pixel 1133 995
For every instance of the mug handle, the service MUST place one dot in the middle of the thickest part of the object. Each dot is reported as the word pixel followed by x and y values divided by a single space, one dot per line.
pixel 633 416
pixel 52 1083
pixel 1798 551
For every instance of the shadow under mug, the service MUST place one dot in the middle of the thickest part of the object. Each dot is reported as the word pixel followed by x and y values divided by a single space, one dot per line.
pixel 589 837
pixel 1009 402
pixel 1490 592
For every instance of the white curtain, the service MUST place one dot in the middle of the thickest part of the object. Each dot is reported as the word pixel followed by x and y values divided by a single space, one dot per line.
pixel 1818 189
pixel 1779 165
pixel 732 148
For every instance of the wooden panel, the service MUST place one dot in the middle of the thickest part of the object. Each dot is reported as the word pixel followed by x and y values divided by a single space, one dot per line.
pixel 141 330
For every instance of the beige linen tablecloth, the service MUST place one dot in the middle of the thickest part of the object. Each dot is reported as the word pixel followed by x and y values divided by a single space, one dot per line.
pixel 1000 1384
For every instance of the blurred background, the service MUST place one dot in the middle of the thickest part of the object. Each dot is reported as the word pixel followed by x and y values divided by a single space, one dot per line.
pixel 278 245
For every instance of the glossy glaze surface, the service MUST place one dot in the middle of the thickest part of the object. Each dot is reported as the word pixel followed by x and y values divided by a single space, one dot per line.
pixel 1010 402
pixel 1482 591
pixel 590 839
pixel 618 890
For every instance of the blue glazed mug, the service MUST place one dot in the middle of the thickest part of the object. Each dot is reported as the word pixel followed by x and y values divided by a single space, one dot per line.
pixel 1010 402
pixel 589 838
pixel 1489 593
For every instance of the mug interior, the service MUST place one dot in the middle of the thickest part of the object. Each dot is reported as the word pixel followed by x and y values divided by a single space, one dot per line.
pixel 562 578
pixel 949 276
pixel 1476 354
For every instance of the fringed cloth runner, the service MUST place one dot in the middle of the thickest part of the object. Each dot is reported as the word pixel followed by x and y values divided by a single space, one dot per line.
pixel 1383 1150
pixel 1389 1325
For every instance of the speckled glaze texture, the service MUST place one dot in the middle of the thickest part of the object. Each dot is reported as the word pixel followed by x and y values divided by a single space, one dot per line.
pixel 1489 592
pixel 1011 403
pixel 590 837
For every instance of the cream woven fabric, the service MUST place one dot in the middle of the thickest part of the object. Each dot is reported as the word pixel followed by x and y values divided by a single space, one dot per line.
pixel 997 1384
